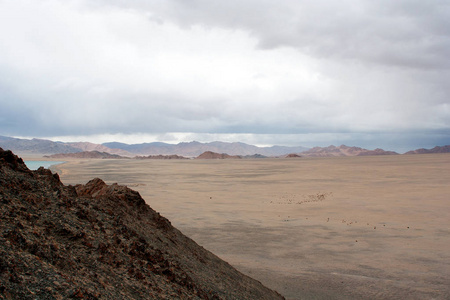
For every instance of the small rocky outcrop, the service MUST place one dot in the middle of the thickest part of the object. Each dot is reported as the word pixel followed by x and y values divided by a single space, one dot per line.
pixel 293 155
pixel 99 241
pixel 214 155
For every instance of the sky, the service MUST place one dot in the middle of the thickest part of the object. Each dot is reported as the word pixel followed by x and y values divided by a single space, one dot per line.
pixel 373 74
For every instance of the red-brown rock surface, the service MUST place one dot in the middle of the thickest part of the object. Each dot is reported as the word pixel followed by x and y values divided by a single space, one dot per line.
pixel 99 241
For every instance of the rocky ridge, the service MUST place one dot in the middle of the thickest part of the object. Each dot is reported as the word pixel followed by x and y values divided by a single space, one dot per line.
pixel 99 241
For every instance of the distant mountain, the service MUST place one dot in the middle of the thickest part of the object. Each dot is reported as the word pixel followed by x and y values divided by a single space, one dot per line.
pixel 86 146
pixel 188 149
pixel 437 149
pixel 344 151
pixel 36 146
pixel 193 149
pixel 155 148
pixel 214 155
pixel 87 154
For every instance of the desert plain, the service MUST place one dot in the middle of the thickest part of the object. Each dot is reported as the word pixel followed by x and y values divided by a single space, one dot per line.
pixel 375 227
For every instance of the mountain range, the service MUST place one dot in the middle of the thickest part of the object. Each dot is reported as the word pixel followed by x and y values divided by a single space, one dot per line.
pixel 194 149
pixel 437 149
pixel 344 150
pixel 191 149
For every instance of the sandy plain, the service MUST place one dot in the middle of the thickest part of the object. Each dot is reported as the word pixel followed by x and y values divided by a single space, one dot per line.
pixel 373 227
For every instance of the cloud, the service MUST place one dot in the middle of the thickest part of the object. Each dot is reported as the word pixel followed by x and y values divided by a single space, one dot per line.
pixel 403 33
pixel 355 68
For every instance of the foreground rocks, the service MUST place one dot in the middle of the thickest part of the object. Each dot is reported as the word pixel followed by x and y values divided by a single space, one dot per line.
pixel 99 241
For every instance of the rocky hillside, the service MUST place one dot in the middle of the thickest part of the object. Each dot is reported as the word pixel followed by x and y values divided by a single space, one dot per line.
pixel 99 241
pixel 344 151
pixel 437 149
pixel 213 155
pixel 86 154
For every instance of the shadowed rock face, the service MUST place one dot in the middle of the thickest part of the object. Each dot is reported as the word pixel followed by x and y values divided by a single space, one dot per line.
pixel 99 241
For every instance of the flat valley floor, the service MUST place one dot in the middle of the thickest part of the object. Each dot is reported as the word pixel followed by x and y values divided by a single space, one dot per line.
pixel 373 227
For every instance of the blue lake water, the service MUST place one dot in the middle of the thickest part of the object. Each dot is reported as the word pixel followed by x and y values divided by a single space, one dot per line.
pixel 35 164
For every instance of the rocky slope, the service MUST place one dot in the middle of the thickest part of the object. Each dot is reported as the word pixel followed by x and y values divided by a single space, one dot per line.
pixel 99 241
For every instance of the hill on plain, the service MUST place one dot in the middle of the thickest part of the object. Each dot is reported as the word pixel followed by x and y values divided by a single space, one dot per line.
pixel 189 149
pixel 214 155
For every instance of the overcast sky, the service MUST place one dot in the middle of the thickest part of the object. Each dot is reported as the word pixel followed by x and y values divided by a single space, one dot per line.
pixel 363 73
